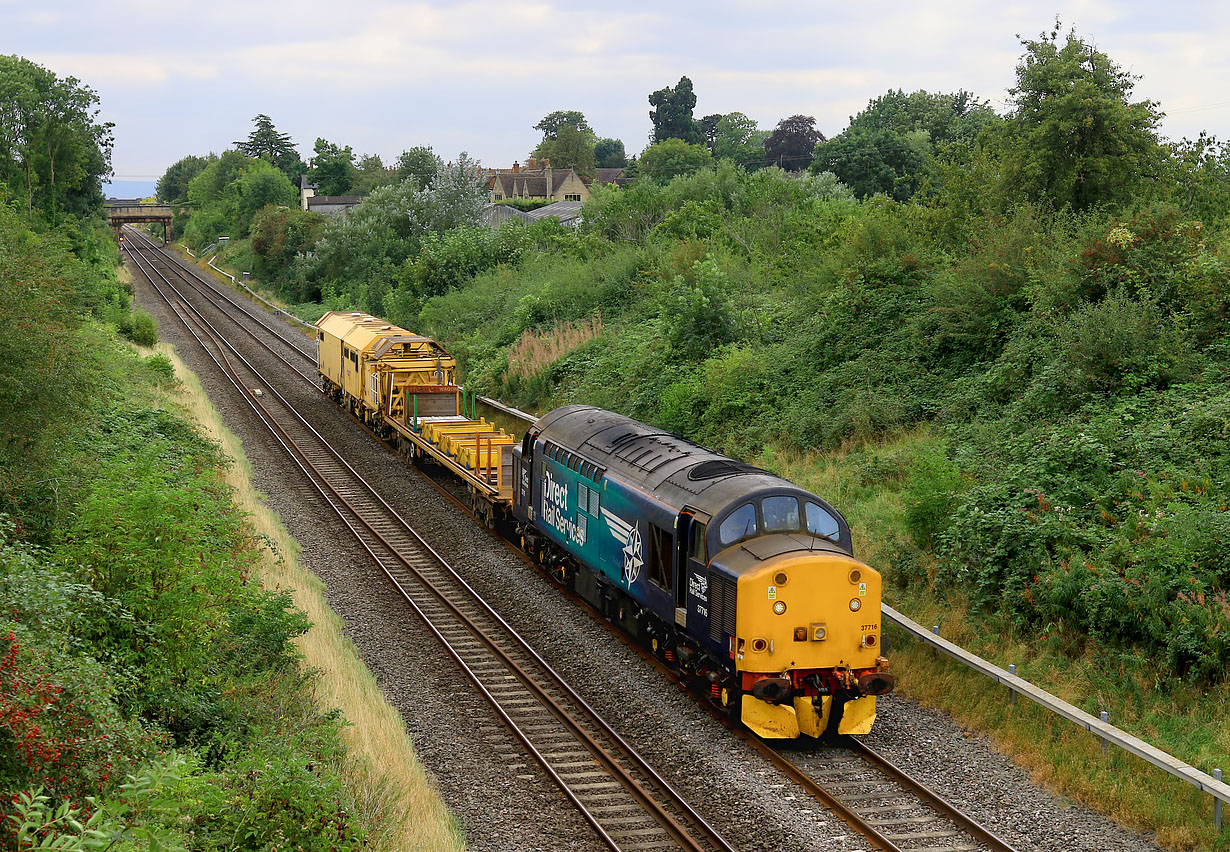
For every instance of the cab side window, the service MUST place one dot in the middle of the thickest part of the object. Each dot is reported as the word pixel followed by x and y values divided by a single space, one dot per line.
pixel 821 522
pixel 739 524
pixel 696 547
pixel 661 565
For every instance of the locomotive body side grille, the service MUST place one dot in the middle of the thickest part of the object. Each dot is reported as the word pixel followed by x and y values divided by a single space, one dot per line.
pixel 721 607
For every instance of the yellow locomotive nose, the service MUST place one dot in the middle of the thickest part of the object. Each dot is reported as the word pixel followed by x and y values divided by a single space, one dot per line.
pixel 808 640
pixel 809 610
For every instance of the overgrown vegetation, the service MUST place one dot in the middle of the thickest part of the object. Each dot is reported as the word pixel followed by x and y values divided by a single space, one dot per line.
pixel 1064 343
pixel 150 696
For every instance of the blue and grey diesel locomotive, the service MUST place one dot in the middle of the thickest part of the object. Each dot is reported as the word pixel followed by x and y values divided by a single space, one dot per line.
pixel 736 576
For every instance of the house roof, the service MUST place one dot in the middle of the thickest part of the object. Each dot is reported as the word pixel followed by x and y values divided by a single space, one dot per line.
pixel 566 211
pixel 531 183
pixel 317 200
pixel 521 184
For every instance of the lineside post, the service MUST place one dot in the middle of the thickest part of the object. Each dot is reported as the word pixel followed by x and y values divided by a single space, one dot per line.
pixel 1217 804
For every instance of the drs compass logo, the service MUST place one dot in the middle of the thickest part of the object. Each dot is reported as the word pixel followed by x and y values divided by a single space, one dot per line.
pixel 630 537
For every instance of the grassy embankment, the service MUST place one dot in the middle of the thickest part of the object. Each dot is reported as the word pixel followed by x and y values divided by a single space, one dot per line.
pixel 385 773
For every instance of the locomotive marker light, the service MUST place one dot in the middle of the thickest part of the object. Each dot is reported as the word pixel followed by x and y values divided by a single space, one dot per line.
pixel 855 604
pixel 780 607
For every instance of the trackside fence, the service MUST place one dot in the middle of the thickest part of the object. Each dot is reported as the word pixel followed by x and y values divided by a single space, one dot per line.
pixel 282 312
pixel 1211 784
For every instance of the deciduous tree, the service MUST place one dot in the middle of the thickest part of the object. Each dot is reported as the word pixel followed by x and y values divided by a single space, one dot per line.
pixel 671 158
pixel 54 152
pixel 572 148
pixel 1074 137
pixel 358 254
pixel 891 146
pixel 333 169
pixel 259 185
pixel 419 163
pixel 737 138
pixel 173 185
pixel 371 173
pixel 792 143
pixel 609 154
pixel 552 122
pixel 567 141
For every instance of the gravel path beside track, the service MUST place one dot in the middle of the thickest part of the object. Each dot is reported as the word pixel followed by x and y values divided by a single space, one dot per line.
pixel 502 800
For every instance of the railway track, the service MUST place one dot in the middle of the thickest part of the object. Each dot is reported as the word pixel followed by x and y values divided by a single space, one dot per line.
pixel 890 810
pixel 622 797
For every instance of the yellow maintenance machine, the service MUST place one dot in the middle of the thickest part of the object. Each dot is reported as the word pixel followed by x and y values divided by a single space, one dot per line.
pixel 403 385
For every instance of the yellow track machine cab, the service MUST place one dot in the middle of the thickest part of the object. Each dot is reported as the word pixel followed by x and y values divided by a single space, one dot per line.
pixel 371 366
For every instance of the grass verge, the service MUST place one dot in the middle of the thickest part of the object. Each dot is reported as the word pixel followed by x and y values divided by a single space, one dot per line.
pixel 384 772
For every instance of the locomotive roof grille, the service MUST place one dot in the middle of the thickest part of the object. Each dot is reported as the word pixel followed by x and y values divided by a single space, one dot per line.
pixel 715 468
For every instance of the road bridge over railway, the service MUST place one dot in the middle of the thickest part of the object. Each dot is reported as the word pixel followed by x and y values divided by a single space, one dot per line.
pixel 121 212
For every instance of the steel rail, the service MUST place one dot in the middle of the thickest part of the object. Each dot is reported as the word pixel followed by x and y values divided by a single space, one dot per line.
pixel 321 483
pixel 157 251
pixel 932 799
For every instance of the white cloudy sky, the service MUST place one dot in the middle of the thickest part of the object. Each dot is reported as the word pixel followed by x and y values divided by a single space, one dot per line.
pixel 384 75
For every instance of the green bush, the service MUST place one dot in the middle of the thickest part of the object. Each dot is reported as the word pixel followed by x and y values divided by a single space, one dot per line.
pixel 932 488
pixel 139 327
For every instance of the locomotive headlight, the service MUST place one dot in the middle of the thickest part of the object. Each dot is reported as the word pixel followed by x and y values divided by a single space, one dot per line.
pixel 855 604
pixel 780 607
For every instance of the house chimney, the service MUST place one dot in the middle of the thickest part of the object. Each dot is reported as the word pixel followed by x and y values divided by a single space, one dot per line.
pixel 531 163
pixel 547 173
pixel 516 167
